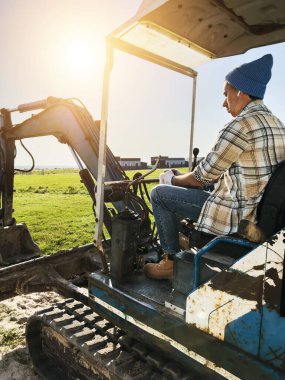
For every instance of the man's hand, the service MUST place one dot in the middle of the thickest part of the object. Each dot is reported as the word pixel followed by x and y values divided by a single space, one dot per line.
pixel 187 180
pixel 175 178
pixel 166 177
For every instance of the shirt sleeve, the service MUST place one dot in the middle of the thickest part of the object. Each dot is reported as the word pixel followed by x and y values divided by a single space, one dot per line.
pixel 232 141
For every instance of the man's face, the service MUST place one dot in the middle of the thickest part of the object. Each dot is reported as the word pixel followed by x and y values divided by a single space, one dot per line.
pixel 235 100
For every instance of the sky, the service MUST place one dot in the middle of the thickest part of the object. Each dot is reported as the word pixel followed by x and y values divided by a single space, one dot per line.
pixel 56 48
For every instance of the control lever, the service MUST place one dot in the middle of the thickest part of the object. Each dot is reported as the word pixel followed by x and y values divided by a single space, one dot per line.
pixel 195 154
pixel 137 180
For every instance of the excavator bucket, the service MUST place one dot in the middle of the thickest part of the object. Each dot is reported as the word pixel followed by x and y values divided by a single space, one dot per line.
pixel 16 245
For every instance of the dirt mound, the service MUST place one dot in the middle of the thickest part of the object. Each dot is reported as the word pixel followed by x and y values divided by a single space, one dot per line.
pixel 15 363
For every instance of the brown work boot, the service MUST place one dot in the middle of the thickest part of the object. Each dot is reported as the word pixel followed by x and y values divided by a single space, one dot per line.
pixel 161 271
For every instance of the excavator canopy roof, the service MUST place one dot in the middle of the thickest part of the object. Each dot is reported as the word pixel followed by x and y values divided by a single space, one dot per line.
pixel 190 32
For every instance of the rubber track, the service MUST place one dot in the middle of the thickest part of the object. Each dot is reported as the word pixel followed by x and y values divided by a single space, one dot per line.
pixel 106 347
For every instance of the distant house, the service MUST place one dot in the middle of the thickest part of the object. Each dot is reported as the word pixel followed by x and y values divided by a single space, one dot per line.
pixel 131 163
pixel 168 162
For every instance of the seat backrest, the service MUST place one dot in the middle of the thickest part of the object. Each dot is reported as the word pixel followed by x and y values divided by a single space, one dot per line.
pixel 271 209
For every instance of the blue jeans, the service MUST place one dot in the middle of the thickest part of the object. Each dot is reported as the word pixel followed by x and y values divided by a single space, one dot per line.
pixel 170 205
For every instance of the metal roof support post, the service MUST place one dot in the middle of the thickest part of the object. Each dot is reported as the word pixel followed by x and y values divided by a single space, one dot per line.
pixel 192 122
pixel 102 155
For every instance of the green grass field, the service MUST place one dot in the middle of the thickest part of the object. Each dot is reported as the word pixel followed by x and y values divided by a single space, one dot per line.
pixel 56 208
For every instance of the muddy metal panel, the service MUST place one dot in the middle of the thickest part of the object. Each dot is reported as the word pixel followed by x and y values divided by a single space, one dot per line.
pixel 241 305
pixel 229 296
pixel 272 339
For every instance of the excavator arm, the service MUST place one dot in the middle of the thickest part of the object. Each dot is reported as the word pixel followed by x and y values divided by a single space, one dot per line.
pixel 70 124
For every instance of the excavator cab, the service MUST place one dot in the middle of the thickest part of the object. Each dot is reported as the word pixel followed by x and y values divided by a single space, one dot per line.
pixel 220 305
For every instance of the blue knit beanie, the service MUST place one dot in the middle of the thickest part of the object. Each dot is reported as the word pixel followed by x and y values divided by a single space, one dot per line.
pixel 252 78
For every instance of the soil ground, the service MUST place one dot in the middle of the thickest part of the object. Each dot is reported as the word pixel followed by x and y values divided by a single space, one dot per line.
pixel 15 362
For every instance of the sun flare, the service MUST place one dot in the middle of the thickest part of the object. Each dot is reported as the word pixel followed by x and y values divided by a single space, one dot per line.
pixel 80 57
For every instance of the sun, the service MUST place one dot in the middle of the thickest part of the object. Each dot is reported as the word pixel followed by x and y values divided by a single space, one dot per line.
pixel 79 56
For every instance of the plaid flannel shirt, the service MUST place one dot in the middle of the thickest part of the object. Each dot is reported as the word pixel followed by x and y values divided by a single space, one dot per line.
pixel 242 161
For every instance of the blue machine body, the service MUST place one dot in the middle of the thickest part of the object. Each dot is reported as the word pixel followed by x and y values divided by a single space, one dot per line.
pixel 231 323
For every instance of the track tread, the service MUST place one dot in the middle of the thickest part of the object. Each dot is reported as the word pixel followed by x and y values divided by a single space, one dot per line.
pixel 106 348
pixel 63 320
pixel 83 335
pixel 93 345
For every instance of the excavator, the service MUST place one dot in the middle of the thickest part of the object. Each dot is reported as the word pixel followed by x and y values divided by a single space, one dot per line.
pixel 223 315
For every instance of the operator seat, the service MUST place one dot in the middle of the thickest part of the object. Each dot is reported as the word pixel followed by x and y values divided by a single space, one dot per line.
pixel 270 211
pixel 191 269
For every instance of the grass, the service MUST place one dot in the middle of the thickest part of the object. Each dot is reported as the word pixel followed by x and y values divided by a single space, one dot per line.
pixel 56 207
pixel 51 182
pixel 10 338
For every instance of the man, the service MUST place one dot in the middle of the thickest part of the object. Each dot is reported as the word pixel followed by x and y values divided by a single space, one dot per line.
pixel 240 164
